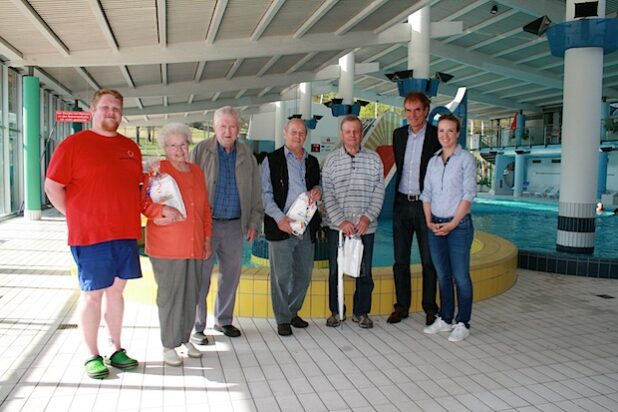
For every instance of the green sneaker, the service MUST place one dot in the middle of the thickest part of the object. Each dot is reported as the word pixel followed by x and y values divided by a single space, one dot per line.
pixel 121 360
pixel 95 368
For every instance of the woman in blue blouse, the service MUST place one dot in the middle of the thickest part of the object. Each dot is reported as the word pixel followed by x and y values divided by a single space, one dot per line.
pixel 450 187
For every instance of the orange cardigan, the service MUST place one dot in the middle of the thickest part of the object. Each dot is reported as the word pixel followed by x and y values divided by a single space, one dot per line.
pixel 185 239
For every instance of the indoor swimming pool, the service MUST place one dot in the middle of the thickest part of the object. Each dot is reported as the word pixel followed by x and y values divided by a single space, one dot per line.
pixel 531 225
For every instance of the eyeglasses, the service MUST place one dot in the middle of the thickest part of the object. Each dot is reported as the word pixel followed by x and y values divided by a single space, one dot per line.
pixel 177 146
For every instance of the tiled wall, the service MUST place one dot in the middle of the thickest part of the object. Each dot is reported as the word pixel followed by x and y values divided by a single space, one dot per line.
pixel 569 264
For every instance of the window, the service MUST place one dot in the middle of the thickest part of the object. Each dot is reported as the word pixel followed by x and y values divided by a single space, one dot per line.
pixel 14 155
pixel 3 160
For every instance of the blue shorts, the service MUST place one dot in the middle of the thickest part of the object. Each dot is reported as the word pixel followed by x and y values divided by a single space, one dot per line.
pixel 99 264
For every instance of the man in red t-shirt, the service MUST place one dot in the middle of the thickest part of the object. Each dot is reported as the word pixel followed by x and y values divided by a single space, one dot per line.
pixel 94 179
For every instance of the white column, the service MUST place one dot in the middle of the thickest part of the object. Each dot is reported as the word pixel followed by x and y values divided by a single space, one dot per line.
pixel 520 170
pixel 583 78
pixel 280 122
pixel 418 48
pixel 346 78
pixel 305 109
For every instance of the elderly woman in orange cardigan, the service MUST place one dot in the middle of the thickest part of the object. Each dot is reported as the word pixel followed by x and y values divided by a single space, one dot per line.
pixel 177 244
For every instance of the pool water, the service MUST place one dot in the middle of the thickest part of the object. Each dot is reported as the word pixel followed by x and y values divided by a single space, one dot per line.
pixel 533 225
pixel 528 224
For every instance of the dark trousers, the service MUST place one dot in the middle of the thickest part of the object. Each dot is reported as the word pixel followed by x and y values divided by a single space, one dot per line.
pixel 364 283
pixel 408 219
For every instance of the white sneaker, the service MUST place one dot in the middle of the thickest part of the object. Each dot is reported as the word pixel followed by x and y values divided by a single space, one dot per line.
pixel 438 325
pixel 170 357
pixel 459 333
pixel 191 351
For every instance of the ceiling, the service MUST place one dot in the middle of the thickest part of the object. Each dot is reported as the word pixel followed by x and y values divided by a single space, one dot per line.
pixel 180 59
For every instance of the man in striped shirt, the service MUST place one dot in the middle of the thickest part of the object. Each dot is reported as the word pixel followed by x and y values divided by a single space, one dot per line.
pixel 353 193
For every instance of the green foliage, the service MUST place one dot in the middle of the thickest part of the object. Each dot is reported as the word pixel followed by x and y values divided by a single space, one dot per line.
pixel 151 147
pixel 370 110
pixel 484 171
pixel 611 124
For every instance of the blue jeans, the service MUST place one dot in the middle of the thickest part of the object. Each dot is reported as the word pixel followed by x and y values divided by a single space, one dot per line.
pixel 291 266
pixel 451 257
pixel 364 283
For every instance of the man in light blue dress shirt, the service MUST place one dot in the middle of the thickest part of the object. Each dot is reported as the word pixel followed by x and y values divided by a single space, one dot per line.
pixel 413 146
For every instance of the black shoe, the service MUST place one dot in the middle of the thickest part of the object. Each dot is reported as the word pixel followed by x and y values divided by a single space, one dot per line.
pixel 298 322
pixel 397 316
pixel 284 329
pixel 199 338
pixel 228 330
pixel 430 318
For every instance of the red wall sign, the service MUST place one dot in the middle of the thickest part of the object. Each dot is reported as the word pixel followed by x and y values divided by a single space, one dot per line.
pixel 69 116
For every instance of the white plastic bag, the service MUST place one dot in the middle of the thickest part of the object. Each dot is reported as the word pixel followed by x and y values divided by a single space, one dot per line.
pixel 352 255
pixel 301 213
pixel 164 190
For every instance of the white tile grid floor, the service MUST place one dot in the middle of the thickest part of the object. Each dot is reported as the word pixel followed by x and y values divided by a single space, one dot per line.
pixel 548 344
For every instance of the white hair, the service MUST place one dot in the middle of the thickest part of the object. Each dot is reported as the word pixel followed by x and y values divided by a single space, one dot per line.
pixel 174 128
pixel 226 111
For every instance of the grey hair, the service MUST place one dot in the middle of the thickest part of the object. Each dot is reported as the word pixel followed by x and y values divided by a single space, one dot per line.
pixel 226 111
pixel 174 128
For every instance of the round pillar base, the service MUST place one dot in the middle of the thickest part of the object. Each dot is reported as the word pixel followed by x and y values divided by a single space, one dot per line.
pixel 32 214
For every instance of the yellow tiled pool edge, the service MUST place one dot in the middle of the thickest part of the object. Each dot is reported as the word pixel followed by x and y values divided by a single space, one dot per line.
pixel 493 271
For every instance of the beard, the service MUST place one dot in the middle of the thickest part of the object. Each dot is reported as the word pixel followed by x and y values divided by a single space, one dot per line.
pixel 110 125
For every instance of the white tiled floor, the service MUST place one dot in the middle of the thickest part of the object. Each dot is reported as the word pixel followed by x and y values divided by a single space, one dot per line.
pixel 548 344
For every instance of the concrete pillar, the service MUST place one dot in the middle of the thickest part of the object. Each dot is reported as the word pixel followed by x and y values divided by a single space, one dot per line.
pixel 305 109
pixel 32 147
pixel 280 122
pixel 418 48
pixel 499 183
pixel 583 76
pixel 346 78
pixel 602 173
pixel 519 128
pixel 520 175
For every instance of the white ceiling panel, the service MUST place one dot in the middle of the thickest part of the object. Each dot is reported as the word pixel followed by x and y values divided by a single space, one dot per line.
pixel 250 51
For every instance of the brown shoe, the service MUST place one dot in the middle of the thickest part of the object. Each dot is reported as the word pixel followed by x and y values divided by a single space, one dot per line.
pixel 397 316
pixel 299 322
pixel 430 318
